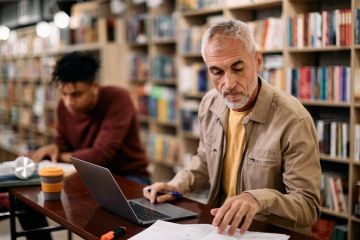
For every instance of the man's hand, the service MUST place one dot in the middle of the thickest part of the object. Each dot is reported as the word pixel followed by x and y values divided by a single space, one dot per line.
pixel 233 211
pixel 51 151
pixel 65 157
pixel 151 192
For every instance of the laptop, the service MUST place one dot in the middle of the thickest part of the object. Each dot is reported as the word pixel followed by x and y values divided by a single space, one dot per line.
pixel 108 195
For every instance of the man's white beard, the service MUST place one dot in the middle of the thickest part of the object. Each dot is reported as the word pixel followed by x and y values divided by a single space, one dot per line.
pixel 244 100
pixel 236 105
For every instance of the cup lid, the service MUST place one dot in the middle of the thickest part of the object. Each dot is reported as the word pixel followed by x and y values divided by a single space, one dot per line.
pixel 51 171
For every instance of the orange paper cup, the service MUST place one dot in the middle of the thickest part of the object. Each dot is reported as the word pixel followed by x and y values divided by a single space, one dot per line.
pixel 51 182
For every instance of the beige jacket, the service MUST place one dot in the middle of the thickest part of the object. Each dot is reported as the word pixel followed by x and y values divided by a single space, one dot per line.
pixel 280 165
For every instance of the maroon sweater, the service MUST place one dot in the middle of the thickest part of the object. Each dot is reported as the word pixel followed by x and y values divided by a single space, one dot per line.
pixel 108 135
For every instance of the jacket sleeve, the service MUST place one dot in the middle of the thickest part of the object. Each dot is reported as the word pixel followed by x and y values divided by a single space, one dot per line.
pixel 301 177
pixel 113 130
pixel 196 174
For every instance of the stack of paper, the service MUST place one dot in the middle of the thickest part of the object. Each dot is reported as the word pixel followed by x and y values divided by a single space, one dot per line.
pixel 162 230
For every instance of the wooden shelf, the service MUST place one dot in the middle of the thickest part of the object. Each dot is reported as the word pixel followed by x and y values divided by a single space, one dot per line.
pixel 139 45
pixel 272 51
pixel 191 55
pixel 333 213
pixel 194 95
pixel 163 123
pixel 256 5
pixel 326 157
pixel 324 103
pixel 165 164
pixel 138 81
pixel 355 219
pixel 143 118
pixel 165 41
pixel 202 12
pixel 165 82
pixel 88 47
pixel 357 163
pixel 190 135
pixel 322 49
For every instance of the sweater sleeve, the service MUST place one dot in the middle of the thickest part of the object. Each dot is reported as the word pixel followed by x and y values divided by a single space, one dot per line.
pixel 60 138
pixel 114 128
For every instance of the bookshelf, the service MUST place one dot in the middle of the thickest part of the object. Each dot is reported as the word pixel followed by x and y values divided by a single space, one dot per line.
pixel 28 99
pixel 156 54
pixel 337 102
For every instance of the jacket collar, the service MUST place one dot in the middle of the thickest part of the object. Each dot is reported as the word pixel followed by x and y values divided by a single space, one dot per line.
pixel 259 112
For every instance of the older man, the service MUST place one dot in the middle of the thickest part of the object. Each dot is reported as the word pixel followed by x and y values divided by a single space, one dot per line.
pixel 258 146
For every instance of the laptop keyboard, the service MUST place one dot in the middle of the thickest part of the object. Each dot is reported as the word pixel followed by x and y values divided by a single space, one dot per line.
pixel 146 214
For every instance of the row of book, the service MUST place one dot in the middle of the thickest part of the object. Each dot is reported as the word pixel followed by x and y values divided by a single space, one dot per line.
pixel 333 138
pixel 334 192
pixel 159 67
pixel 357 142
pixel 276 77
pixel 329 229
pixel 28 118
pixel 162 104
pixel 31 69
pixel 189 116
pixel 268 33
pixel 357 26
pixel 163 27
pixel 202 4
pixel 142 28
pixel 27 93
pixel 21 44
pixel 190 39
pixel 199 4
pixel 330 83
pixel 163 148
pixel 193 79
pixel 156 102
pixel 320 29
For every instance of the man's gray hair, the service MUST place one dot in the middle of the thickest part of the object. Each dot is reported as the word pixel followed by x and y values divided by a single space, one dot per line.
pixel 234 29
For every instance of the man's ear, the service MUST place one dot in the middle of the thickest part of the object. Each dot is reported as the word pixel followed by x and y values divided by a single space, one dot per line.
pixel 259 61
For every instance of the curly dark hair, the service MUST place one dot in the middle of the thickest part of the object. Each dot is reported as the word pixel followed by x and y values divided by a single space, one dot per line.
pixel 75 67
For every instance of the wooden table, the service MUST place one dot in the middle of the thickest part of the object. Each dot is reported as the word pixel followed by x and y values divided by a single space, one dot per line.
pixel 78 212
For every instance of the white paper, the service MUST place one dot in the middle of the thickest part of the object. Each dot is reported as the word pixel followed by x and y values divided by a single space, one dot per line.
pixel 162 230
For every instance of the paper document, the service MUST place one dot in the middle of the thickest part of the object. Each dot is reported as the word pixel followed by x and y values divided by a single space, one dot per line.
pixel 162 230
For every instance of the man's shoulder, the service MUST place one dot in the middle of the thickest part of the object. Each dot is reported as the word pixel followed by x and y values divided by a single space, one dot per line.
pixel 210 98
pixel 115 93
pixel 290 104
pixel 114 90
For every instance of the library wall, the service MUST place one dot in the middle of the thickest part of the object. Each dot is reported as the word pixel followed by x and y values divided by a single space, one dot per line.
pixel 310 47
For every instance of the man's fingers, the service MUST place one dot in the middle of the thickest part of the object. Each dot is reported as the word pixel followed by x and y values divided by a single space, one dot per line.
pixel 248 220
pixel 227 219
pixel 214 211
pixel 165 198
pixel 236 222
pixel 220 214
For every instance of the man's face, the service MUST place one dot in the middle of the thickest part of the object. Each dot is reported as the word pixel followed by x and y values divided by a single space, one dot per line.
pixel 232 70
pixel 79 97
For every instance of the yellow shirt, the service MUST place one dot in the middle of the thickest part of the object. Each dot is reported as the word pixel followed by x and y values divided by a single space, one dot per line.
pixel 235 141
